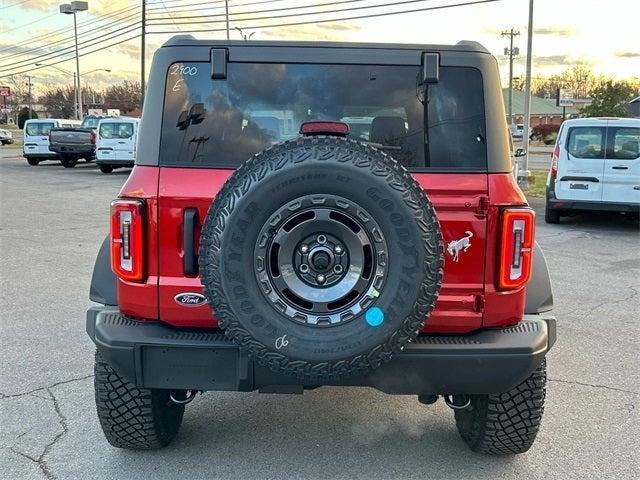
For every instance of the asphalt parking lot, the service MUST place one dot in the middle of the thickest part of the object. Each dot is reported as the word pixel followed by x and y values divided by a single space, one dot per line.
pixel 52 221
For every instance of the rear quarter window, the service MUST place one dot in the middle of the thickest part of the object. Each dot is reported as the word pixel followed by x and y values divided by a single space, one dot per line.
pixel 220 123
pixel 38 129
pixel 586 142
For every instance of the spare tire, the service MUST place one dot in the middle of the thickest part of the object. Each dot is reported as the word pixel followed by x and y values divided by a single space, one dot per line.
pixel 322 257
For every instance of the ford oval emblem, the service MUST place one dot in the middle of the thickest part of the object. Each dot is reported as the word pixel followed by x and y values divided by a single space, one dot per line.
pixel 190 299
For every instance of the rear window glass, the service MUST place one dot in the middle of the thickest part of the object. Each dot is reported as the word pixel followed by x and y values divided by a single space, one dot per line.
pixel 36 129
pixel 116 130
pixel 90 122
pixel 624 143
pixel 586 142
pixel 224 122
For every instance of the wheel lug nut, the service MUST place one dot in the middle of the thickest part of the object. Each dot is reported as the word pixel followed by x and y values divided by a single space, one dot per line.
pixel 304 268
pixel 338 269
pixel 320 278
pixel 321 239
pixel 304 248
pixel 337 249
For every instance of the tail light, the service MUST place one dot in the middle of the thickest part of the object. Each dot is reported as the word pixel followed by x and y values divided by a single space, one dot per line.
pixel 93 138
pixel 554 161
pixel 516 252
pixel 128 239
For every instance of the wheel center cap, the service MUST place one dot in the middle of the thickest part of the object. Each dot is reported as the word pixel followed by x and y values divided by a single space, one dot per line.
pixel 321 260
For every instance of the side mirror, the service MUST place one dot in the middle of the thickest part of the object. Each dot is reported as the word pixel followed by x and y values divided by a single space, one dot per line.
pixel 520 152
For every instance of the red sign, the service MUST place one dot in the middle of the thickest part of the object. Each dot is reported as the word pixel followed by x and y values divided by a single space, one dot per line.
pixel 5 92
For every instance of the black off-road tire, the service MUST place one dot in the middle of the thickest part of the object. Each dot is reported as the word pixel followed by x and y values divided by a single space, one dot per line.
pixel 130 417
pixel 105 168
pixel 68 161
pixel 551 215
pixel 278 177
pixel 33 161
pixel 506 423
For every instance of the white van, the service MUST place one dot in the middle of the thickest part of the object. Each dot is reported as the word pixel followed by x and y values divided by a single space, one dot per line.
pixel 36 138
pixel 116 143
pixel 595 165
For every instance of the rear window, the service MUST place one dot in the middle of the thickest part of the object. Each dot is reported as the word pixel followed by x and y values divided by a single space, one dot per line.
pixel 38 129
pixel 624 143
pixel 116 130
pixel 586 142
pixel 90 122
pixel 221 123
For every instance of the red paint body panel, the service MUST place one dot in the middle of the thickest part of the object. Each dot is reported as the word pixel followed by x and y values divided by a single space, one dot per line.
pixel 140 300
pixel 464 202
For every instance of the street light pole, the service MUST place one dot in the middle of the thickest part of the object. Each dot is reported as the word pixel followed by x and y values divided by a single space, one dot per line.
pixel 527 93
pixel 226 14
pixel 512 52
pixel 78 87
pixel 71 9
pixel 143 50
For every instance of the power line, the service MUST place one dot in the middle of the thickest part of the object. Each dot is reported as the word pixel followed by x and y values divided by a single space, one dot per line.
pixel 208 5
pixel 14 4
pixel 81 55
pixel 27 24
pixel 53 33
pixel 300 7
pixel 358 17
pixel 64 51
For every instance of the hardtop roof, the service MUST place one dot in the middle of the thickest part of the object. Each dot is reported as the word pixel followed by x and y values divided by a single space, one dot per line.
pixel 191 41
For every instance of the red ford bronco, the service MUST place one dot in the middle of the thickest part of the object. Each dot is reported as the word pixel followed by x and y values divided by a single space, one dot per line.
pixel 310 214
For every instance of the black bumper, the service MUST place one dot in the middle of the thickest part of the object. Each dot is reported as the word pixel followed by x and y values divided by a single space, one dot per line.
pixel 115 162
pixel 581 205
pixel 79 150
pixel 155 355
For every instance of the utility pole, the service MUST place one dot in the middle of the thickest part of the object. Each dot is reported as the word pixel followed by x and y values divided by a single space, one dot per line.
pixel 143 51
pixel 527 93
pixel 29 85
pixel 226 14
pixel 512 52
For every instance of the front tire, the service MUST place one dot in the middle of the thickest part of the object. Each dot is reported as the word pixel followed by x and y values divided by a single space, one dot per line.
pixel 506 423
pixel 131 417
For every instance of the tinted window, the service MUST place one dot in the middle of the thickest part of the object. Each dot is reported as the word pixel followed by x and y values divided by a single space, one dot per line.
pixel 624 143
pixel 90 122
pixel 586 142
pixel 116 130
pixel 224 122
pixel 36 129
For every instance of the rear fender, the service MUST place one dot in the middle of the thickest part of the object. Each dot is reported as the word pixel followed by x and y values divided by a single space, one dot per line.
pixel 103 281
pixel 539 295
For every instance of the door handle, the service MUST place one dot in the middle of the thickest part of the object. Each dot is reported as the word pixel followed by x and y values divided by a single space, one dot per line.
pixel 189 222
pixel 620 167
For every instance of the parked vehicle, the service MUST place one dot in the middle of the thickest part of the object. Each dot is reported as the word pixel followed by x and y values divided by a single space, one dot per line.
pixel 595 166
pixel 247 258
pixel 545 132
pixel 35 146
pixel 517 130
pixel 74 143
pixel 6 136
pixel 116 143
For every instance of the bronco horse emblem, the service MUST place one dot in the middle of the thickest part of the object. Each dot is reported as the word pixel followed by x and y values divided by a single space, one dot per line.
pixel 456 246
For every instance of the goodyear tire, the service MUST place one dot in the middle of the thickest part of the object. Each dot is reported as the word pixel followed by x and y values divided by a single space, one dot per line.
pixel 321 257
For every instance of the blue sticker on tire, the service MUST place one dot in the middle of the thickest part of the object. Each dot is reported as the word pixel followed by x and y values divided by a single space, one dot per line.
pixel 374 317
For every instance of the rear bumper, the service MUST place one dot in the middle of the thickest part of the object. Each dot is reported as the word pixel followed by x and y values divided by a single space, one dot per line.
pixel 116 162
pixel 557 204
pixel 155 355
pixel 41 156
pixel 80 150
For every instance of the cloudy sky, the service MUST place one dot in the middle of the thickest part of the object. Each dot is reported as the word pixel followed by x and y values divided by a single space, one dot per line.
pixel 602 35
